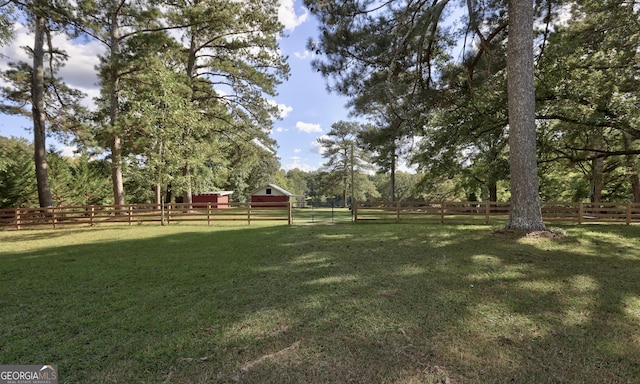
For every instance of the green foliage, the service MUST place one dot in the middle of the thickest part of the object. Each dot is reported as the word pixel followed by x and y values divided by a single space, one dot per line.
pixel 17 174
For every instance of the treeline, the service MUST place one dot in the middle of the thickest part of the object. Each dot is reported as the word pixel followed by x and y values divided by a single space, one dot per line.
pixel 432 78
pixel 186 91
pixel 82 180
pixel 185 107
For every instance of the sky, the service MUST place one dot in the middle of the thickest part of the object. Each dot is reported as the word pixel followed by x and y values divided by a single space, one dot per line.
pixel 307 108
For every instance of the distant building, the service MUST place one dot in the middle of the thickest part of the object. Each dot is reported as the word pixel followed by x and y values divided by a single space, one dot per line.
pixel 271 193
pixel 218 199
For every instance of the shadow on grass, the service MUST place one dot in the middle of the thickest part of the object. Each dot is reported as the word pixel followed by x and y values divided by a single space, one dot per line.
pixel 329 304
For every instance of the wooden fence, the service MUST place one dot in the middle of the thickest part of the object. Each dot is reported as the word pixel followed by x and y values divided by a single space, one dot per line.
pixel 488 212
pixel 139 213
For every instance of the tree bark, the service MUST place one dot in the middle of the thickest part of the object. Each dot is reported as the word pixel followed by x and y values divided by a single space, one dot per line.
pixel 39 116
pixel 393 175
pixel 116 141
pixel 525 213
pixel 187 194
pixel 493 191
pixel 631 165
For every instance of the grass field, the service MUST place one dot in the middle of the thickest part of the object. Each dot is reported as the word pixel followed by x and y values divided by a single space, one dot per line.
pixel 366 303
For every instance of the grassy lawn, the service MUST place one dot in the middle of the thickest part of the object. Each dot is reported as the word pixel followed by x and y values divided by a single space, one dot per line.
pixel 366 303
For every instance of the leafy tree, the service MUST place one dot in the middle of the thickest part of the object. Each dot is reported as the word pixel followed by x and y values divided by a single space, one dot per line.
pixel 587 89
pixel 6 23
pixel 34 88
pixel 345 159
pixel 397 53
pixel 112 23
pixel 233 64
pixel 17 169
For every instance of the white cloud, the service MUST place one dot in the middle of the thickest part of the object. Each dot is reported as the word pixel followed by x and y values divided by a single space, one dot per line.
pixel 308 127
pixel 304 55
pixel 296 162
pixel 317 147
pixel 284 109
pixel 289 17
pixel 281 129
pixel 78 72
pixel 68 151
pixel 297 150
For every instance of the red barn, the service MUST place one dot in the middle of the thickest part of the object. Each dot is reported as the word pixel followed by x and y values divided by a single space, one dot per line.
pixel 271 193
pixel 218 199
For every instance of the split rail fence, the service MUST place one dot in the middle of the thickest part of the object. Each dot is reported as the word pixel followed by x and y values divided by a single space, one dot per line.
pixel 488 212
pixel 55 217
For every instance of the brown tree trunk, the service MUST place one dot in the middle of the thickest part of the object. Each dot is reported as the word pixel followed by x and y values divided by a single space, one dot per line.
pixel 597 173
pixel 116 141
pixel 187 195
pixel 493 191
pixel 39 116
pixel 525 213
pixel 631 165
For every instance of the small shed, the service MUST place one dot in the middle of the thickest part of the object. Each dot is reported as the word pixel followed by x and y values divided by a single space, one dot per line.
pixel 218 199
pixel 271 193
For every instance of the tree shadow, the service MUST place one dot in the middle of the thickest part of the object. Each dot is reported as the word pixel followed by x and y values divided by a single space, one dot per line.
pixel 342 303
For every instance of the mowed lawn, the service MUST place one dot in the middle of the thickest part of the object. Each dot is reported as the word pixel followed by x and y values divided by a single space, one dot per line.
pixel 345 303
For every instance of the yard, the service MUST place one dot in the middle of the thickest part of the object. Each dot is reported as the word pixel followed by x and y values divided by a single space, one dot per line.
pixel 366 303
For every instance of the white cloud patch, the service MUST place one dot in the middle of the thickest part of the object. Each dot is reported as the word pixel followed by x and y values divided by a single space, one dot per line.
pixel 317 147
pixel 297 162
pixel 288 15
pixel 308 127
pixel 304 55
pixel 78 72
pixel 68 151
pixel 284 110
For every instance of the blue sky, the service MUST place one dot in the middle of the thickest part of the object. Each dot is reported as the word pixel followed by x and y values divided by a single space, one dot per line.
pixel 308 110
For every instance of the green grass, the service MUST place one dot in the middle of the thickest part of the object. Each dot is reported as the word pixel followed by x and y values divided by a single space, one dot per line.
pixel 365 303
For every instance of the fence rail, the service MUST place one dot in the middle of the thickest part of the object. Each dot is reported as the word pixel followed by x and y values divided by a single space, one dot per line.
pixel 55 217
pixel 385 211
pixel 488 212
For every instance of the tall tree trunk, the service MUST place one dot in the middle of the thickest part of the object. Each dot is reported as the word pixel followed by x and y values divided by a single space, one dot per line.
pixel 631 165
pixel 116 141
pixel 597 180
pixel 525 213
pixel 39 116
pixel 187 195
pixel 192 73
pixel 493 191
pixel 344 191
pixel 393 175
pixel 597 173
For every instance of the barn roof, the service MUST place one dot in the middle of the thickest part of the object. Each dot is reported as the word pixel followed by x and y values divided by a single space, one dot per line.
pixel 219 193
pixel 273 186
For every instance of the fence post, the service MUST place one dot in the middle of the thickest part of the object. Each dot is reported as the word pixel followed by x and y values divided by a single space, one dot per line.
pixel 580 212
pixel 397 211
pixel 290 216
pixel 17 218
pixel 442 204
pixel 92 212
pixel 54 220
pixel 249 214
pixel 209 213
pixel 130 212
pixel 168 209
pixel 628 213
